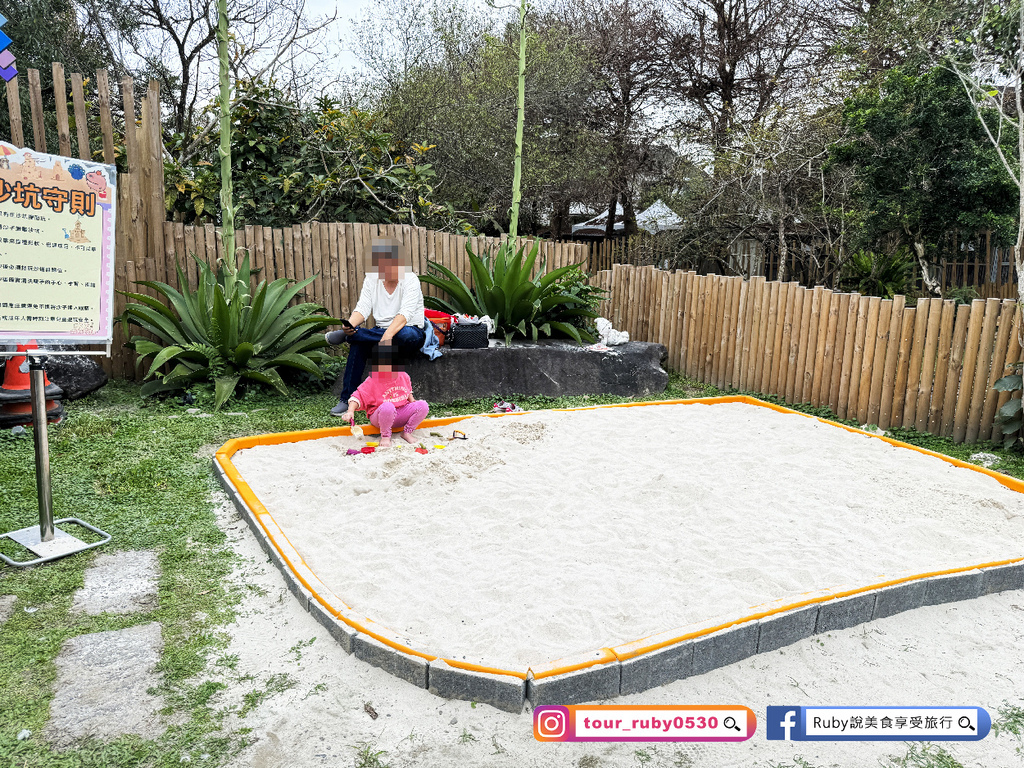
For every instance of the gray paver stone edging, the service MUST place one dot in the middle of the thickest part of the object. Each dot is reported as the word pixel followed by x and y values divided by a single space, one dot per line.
pixel 500 691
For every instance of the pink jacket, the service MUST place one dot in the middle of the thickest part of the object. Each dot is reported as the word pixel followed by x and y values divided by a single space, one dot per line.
pixel 379 388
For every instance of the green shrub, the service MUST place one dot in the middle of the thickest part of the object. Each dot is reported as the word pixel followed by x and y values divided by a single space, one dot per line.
pixel 963 294
pixel 576 283
pixel 220 332
pixel 1010 418
pixel 879 274
pixel 504 291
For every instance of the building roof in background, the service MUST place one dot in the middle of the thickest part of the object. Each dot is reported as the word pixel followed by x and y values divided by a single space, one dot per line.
pixel 657 218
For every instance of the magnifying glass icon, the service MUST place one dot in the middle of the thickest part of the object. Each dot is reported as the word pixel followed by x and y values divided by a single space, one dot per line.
pixel 965 722
pixel 730 722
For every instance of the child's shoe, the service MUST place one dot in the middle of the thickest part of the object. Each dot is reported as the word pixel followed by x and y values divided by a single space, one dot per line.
pixel 503 407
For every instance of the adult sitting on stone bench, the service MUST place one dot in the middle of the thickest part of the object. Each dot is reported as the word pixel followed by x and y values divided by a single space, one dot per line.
pixel 391 293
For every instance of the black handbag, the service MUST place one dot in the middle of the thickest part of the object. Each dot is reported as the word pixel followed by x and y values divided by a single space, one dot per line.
pixel 467 336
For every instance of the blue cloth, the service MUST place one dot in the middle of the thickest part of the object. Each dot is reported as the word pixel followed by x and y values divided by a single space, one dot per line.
pixel 431 344
pixel 361 344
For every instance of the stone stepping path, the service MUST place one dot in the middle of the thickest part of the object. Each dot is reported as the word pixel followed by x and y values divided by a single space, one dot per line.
pixel 102 679
pixel 120 582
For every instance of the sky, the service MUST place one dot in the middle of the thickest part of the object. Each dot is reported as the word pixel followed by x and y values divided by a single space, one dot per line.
pixel 348 10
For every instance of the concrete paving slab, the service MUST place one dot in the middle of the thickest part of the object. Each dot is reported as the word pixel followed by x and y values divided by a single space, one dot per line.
pixel 119 582
pixel 953 587
pixel 726 647
pixel 1002 577
pixel 102 684
pixel 845 612
pixel 339 630
pixel 902 597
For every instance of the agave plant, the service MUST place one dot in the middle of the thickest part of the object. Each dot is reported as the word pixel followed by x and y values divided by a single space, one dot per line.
pixel 220 332
pixel 504 291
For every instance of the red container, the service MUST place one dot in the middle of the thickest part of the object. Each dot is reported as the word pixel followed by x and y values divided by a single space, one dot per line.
pixel 442 322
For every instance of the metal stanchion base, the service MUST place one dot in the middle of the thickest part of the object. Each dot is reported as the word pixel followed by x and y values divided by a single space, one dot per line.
pixel 62 544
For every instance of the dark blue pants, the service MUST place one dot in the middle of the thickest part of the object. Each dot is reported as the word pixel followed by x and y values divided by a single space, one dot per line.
pixel 361 343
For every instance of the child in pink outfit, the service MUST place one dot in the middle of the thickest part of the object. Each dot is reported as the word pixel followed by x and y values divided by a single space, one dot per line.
pixel 386 396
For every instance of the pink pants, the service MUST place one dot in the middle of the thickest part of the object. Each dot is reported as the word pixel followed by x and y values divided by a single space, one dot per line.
pixel 407 415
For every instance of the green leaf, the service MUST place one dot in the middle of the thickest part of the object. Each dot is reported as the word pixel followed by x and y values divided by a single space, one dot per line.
pixel 224 387
pixel 166 354
pixel 1009 383
pixel 1011 408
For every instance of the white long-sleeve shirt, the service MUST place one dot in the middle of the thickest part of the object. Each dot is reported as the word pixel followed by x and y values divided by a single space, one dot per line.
pixel 407 300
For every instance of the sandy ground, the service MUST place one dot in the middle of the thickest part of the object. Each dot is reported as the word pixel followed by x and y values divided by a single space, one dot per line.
pixel 595 528
pixel 960 654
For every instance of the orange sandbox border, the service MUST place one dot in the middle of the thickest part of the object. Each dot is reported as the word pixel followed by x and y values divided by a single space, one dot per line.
pixel 337 608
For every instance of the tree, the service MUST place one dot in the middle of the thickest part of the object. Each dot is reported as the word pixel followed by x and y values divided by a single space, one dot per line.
pixel 175 41
pixel 450 78
pixel 730 62
pixel 292 164
pixel 626 40
pixel 923 165
pixel 991 52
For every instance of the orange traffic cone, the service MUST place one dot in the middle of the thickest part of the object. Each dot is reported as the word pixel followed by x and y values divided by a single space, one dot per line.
pixel 16 393
pixel 17 387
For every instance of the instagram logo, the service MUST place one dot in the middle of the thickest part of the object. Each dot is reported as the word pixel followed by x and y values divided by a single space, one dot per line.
pixel 550 723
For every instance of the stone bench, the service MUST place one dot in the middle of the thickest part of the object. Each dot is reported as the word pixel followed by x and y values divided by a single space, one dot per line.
pixel 550 367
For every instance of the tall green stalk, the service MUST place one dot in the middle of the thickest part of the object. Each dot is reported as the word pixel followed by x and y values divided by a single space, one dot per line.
pixel 226 196
pixel 517 176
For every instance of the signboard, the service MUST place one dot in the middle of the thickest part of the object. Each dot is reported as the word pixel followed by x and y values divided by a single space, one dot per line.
pixel 56 248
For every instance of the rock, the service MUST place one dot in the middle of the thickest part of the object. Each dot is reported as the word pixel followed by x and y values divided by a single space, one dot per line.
pixel 102 684
pixel 120 582
pixel 550 368
pixel 77 375
pixel 985 459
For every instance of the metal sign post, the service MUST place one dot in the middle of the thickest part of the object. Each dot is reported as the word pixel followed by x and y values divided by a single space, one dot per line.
pixel 47 542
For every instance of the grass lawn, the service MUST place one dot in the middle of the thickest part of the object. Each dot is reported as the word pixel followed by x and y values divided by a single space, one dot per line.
pixel 141 471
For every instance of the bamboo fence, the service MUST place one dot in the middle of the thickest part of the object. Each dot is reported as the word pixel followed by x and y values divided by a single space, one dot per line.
pixel 930 367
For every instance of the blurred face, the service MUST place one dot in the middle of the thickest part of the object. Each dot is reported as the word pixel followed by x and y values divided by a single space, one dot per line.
pixel 388 259
pixel 390 268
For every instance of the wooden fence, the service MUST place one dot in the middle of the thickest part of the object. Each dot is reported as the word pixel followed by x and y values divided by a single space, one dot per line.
pixel 930 367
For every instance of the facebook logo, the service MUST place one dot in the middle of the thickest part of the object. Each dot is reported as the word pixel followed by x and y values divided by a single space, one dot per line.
pixel 783 723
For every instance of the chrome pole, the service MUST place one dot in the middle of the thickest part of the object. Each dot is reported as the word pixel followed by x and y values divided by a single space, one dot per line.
pixel 38 388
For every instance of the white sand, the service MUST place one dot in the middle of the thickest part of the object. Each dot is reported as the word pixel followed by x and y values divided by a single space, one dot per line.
pixel 959 654
pixel 554 533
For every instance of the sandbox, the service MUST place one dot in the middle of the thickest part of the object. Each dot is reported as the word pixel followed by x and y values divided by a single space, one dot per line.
pixel 575 555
